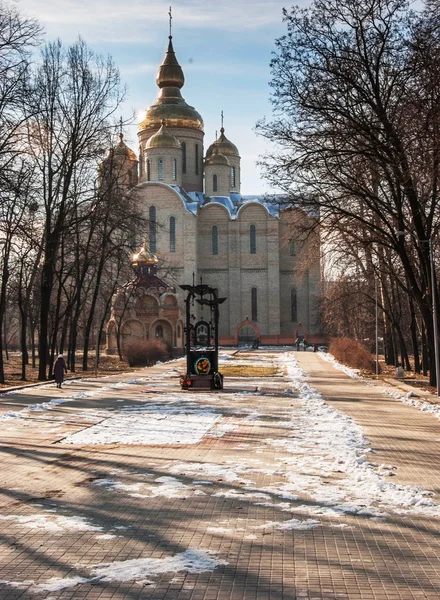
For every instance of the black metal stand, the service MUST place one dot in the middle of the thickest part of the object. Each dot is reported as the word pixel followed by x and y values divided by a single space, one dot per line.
pixel 202 340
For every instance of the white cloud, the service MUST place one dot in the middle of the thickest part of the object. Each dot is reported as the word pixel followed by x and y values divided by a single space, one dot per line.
pixel 137 21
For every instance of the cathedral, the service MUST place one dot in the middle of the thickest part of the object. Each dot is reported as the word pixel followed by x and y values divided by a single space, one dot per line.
pixel 201 228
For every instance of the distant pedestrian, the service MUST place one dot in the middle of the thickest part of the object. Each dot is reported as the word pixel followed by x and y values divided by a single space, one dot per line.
pixel 59 370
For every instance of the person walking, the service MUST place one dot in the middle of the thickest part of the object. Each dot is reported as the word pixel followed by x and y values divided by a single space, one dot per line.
pixel 59 370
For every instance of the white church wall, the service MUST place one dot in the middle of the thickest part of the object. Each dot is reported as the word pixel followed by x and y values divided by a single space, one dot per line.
pixel 209 216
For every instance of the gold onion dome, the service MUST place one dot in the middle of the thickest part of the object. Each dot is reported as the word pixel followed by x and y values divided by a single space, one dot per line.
pixel 216 159
pixel 144 257
pixel 122 150
pixel 225 146
pixel 163 139
pixel 170 105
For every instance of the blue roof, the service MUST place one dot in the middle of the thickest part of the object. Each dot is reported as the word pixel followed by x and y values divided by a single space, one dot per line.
pixel 193 201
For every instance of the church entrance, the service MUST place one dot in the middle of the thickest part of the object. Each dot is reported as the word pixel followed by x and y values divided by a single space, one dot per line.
pixel 246 335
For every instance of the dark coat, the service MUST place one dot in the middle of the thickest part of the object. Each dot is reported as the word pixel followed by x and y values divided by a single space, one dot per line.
pixel 59 370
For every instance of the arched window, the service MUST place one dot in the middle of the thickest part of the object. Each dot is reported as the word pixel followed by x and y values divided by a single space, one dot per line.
pixel 214 240
pixel 292 248
pixel 183 158
pixel 233 177
pixel 178 331
pixel 253 239
pixel 159 331
pixel 148 169
pixel 174 169
pixel 152 227
pixel 197 159
pixel 293 306
pixel 160 169
pixel 214 183
pixel 254 304
pixel 141 160
pixel 172 234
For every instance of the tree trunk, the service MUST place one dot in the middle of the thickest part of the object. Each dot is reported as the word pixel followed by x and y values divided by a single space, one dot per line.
pixel 3 290
pixel 5 334
pixel 57 318
pixel 413 330
pixel 23 330
pixel 101 325
pixel 46 293
pixel 91 316
pixel 33 346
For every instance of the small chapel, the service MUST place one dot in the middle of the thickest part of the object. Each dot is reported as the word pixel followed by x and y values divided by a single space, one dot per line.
pixel 200 227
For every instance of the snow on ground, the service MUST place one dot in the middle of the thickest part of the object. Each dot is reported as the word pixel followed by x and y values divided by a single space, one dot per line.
pixel 51 522
pixel 147 428
pixel 137 570
pixel 164 486
pixel 43 406
pixel 228 473
pixel 405 397
pixel 190 561
pixel 323 457
pixel 353 373
pixel 290 525
pixel 54 584
pixel 408 398
pixel 322 470
pixel 324 442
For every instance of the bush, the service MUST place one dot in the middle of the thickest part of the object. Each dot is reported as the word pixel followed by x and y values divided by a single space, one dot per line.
pixel 352 353
pixel 146 353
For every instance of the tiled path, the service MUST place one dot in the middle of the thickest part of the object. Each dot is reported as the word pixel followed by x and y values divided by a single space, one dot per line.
pixel 66 511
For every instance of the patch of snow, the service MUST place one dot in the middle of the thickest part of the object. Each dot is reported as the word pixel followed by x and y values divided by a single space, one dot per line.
pixel 230 474
pixel 190 561
pixel 329 461
pixel 408 398
pixel 57 583
pixel 224 530
pixel 147 428
pixel 166 487
pixel 289 525
pixel 353 373
pixel 241 495
pixel 52 523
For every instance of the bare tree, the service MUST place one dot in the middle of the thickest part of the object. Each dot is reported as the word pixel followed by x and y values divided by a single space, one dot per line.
pixel 18 36
pixel 357 106
pixel 75 94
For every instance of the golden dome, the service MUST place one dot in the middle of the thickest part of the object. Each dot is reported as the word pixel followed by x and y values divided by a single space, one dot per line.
pixel 163 139
pixel 144 257
pixel 121 151
pixel 216 159
pixel 170 73
pixel 224 145
pixel 170 105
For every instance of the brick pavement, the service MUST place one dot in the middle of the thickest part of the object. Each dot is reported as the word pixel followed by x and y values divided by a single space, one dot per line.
pixel 346 558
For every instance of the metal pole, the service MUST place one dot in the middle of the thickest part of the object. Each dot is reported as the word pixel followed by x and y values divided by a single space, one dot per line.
pixel 377 333
pixel 434 319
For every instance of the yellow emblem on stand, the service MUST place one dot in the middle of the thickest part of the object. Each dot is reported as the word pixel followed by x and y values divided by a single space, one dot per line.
pixel 202 366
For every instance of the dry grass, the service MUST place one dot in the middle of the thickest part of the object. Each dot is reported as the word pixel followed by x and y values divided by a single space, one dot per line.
pixel 249 371
pixel 147 352
pixel 352 353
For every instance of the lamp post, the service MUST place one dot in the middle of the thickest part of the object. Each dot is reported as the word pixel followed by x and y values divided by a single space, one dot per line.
pixel 434 318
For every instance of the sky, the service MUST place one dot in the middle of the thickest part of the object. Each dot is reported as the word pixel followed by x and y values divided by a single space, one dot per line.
pixel 223 46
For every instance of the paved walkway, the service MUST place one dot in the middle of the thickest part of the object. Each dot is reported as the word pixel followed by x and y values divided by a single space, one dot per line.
pixel 72 516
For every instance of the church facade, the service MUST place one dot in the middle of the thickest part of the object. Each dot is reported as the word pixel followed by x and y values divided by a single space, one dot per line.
pixel 202 228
